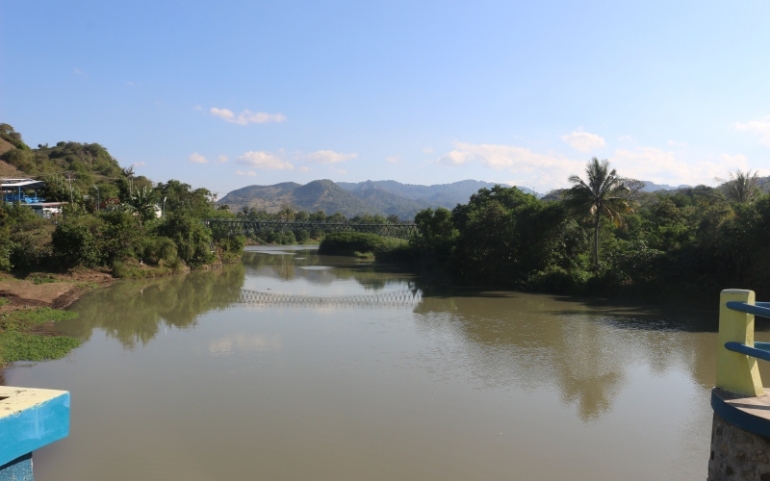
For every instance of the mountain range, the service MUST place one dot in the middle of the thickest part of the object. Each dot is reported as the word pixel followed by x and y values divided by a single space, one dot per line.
pixel 386 197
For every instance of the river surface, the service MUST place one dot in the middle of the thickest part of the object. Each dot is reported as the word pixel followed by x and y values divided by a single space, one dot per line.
pixel 294 366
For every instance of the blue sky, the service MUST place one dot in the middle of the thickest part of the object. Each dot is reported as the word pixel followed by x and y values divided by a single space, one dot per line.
pixel 233 93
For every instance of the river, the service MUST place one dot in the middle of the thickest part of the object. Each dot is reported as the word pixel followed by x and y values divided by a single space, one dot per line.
pixel 294 366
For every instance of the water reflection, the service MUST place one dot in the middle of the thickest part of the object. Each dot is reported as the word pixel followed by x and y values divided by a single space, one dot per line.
pixel 583 348
pixel 464 383
pixel 134 311
pixel 319 270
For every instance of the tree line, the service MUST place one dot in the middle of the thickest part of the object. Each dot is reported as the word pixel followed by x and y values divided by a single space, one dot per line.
pixel 285 236
pixel 604 236
pixel 112 218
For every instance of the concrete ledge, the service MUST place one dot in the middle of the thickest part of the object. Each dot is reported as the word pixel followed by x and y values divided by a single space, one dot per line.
pixel 749 413
pixel 31 419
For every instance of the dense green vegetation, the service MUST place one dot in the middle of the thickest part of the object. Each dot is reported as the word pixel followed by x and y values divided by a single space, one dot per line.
pixel 358 244
pixel 286 236
pixel 17 343
pixel 115 225
pixel 605 237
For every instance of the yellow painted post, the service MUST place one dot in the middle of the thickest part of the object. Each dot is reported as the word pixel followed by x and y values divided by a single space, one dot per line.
pixel 737 372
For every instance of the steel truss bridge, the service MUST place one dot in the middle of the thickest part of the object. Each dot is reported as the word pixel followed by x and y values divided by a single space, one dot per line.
pixel 246 227
pixel 397 299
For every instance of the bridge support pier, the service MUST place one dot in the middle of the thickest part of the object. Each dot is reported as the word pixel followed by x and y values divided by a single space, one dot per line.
pixel 20 469
pixel 736 454
pixel 740 433
pixel 29 420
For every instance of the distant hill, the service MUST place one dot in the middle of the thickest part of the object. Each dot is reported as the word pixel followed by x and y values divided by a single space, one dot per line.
pixel 385 197
pixel 89 164
pixel 652 186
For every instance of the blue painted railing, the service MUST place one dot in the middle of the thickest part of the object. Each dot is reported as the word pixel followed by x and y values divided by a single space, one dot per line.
pixel 760 350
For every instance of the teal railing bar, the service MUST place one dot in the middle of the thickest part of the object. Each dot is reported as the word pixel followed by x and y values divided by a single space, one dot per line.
pixel 758 309
pixel 765 346
pixel 749 351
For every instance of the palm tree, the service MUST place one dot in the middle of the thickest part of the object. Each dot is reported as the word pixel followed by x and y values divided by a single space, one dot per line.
pixel 605 194
pixel 742 186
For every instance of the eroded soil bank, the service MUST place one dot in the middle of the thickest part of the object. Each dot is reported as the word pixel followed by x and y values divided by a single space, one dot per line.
pixel 49 290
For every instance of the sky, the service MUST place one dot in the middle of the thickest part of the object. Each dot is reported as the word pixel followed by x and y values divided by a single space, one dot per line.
pixel 231 93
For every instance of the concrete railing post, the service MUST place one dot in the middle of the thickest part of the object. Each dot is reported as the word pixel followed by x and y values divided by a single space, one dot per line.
pixel 737 373
pixel 29 420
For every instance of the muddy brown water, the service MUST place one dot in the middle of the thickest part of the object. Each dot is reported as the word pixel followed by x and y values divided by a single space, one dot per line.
pixel 294 366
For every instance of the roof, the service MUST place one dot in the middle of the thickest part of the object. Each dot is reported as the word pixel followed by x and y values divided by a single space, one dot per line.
pixel 5 183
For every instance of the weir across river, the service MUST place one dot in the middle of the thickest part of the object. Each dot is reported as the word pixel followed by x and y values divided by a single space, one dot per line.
pixel 235 227
pixel 392 299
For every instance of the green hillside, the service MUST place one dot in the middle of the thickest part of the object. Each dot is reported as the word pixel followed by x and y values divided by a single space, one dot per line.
pixel 75 164
pixel 350 199
pixel 322 195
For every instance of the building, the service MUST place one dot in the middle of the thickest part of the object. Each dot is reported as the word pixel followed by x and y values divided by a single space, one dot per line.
pixel 18 191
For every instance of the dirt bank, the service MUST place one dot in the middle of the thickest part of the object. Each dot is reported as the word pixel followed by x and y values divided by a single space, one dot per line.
pixel 49 290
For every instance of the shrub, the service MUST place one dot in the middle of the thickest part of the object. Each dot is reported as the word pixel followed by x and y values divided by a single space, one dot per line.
pixel 120 235
pixel 302 236
pixel 357 243
pixel 557 280
pixel 74 244
pixel 192 238
pixel 158 251
pixel 231 247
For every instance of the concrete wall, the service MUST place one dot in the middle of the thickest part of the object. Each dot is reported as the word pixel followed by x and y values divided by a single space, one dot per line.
pixel 20 469
pixel 737 455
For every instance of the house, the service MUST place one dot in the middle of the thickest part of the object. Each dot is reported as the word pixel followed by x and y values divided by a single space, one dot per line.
pixel 17 191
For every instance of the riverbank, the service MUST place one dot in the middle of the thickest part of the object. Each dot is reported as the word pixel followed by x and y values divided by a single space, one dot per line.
pixel 56 291
pixel 30 308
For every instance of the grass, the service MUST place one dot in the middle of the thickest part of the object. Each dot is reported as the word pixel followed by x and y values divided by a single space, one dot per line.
pixel 16 344
pixel 22 346
pixel 42 279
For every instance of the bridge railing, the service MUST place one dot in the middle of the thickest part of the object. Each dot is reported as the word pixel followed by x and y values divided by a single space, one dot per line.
pixel 737 368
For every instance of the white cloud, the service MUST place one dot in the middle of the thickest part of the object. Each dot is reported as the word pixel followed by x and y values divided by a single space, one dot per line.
pixel 249 173
pixel 393 159
pixel 264 160
pixel 664 167
pixel 304 169
pixel 222 159
pixel 547 171
pixel 675 143
pixel 428 150
pixel 330 157
pixel 530 168
pixel 197 158
pixel 77 71
pixel 131 84
pixel 626 138
pixel 761 126
pixel 198 107
pixel 246 117
pixel 138 164
pixel 583 141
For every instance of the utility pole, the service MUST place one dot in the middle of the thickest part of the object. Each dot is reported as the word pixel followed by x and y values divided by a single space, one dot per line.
pixel 97 198
pixel 69 178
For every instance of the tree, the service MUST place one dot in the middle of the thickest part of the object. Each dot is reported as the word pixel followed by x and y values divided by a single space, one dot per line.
pixel 604 194
pixel 742 186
